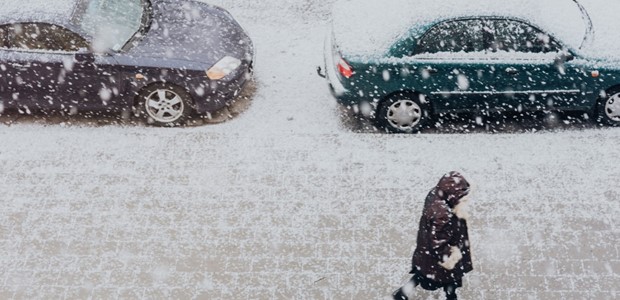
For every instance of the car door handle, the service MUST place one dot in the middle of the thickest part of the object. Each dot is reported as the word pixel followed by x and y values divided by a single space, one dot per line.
pixel 431 70
pixel 20 66
pixel 512 71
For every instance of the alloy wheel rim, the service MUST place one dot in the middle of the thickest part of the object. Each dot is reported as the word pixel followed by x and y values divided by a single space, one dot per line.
pixel 164 106
pixel 404 114
pixel 612 107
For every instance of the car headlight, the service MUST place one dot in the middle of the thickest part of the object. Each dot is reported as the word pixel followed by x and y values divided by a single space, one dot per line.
pixel 223 67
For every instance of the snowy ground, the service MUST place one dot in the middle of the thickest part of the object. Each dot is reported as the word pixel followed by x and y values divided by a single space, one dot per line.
pixel 291 200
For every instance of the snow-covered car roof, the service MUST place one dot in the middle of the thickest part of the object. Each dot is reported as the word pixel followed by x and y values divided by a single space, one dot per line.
pixel 47 11
pixel 370 27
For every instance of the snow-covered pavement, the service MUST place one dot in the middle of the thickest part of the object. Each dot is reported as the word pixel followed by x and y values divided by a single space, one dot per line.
pixel 285 201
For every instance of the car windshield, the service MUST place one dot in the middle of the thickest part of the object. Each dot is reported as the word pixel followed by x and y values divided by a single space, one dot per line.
pixel 111 23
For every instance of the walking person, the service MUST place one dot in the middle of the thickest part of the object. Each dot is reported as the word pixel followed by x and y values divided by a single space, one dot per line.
pixel 442 255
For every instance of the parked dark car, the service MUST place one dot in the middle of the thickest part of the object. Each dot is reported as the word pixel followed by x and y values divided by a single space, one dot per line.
pixel 162 59
pixel 405 62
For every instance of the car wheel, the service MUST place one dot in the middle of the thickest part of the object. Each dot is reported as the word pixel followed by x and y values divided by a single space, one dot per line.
pixel 165 105
pixel 609 109
pixel 403 113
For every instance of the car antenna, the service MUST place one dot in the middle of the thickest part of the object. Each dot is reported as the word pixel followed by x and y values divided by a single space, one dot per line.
pixel 589 37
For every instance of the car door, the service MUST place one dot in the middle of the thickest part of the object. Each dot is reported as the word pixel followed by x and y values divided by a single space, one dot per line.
pixel 91 83
pixel 32 66
pixel 531 69
pixel 50 67
pixel 5 95
pixel 451 59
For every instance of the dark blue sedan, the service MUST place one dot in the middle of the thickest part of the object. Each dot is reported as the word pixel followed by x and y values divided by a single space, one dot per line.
pixel 162 59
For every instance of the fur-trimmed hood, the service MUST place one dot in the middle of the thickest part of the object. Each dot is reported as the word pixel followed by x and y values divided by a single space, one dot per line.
pixel 452 187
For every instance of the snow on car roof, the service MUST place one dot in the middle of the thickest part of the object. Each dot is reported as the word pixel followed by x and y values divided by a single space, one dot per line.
pixel 370 27
pixel 36 10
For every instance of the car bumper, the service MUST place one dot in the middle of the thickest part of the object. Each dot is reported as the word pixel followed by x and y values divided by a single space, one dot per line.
pixel 343 95
pixel 335 86
pixel 213 95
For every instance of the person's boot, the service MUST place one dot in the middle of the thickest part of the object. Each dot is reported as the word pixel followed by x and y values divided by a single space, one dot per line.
pixel 399 295
pixel 450 292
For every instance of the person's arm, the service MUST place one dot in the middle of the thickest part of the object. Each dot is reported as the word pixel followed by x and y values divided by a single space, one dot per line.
pixel 441 236
pixel 447 255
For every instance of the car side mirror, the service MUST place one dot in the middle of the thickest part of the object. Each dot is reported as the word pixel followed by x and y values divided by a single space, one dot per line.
pixel 565 56
pixel 84 56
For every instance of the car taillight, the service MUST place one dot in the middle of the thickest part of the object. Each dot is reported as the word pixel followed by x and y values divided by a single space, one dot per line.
pixel 344 68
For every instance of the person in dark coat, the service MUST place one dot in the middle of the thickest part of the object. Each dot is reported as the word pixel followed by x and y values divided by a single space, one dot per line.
pixel 442 256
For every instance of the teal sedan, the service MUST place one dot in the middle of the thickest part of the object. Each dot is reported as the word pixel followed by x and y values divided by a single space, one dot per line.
pixel 405 62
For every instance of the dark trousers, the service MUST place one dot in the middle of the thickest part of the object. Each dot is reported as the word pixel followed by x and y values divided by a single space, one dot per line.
pixel 400 294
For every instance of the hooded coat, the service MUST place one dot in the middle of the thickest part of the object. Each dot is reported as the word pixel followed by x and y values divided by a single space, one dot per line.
pixel 442 256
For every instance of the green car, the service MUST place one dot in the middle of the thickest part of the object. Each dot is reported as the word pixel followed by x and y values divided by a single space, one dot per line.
pixel 405 61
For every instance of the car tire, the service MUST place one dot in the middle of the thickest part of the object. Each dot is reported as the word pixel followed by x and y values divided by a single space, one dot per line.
pixel 403 113
pixel 608 109
pixel 165 105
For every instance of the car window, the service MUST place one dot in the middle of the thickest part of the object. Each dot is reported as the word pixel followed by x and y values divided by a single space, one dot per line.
pixel 452 36
pixel 46 37
pixel 3 37
pixel 514 36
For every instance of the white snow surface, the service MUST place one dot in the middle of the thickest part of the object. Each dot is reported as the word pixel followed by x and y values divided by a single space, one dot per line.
pixel 286 201
pixel 36 9
pixel 369 28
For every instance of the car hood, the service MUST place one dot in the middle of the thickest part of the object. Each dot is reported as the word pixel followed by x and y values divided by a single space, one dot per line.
pixel 192 31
